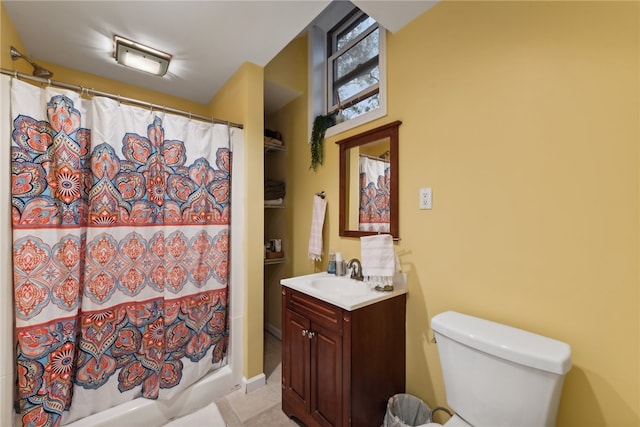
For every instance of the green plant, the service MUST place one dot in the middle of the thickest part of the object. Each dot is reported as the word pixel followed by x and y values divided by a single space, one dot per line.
pixel 320 125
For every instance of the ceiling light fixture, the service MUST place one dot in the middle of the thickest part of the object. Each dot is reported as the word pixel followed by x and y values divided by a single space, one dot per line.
pixel 140 57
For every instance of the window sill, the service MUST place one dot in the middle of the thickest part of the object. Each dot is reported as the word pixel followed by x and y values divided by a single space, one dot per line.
pixel 358 121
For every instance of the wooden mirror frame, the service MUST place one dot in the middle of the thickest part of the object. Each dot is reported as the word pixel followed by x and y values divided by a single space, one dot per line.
pixel 390 131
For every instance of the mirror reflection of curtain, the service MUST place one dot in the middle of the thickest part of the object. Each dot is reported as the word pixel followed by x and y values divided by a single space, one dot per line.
pixel 121 221
pixel 374 194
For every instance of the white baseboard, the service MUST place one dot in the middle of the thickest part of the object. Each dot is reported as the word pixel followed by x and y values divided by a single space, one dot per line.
pixel 253 384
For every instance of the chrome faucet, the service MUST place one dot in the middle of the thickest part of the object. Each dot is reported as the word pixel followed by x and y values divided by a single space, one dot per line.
pixel 356 269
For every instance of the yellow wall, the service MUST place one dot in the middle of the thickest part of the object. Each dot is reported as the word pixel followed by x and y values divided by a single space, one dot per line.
pixel 241 100
pixel 9 37
pixel 524 119
pixel 284 69
pixel 291 122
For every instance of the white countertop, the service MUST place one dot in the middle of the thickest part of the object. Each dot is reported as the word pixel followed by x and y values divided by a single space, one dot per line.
pixel 323 290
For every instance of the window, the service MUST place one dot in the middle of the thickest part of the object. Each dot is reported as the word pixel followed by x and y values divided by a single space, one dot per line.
pixel 346 67
pixel 353 71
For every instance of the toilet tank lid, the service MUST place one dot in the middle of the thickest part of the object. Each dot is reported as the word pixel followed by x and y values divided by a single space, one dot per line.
pixel 506 342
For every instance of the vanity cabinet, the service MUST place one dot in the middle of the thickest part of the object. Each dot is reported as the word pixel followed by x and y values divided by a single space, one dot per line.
pixel 340 367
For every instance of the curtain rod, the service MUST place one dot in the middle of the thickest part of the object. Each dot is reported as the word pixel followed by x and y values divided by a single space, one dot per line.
pixel 375 158
pixel 118 98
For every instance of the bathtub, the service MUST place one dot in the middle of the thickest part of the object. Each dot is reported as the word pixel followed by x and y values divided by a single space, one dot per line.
pixel 155 413
pixel 142 412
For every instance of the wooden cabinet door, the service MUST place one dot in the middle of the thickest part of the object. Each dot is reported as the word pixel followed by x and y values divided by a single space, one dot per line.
pixel 296 367
pixel 326 376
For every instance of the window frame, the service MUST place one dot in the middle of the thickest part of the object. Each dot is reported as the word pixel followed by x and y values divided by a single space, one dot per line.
pixel 319 88
pixel 352 20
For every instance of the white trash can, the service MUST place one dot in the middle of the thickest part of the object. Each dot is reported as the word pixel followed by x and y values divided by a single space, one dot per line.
pixel 404 410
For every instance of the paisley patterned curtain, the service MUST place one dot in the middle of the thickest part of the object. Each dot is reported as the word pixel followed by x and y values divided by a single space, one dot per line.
pixel 120 249
pixel 374 212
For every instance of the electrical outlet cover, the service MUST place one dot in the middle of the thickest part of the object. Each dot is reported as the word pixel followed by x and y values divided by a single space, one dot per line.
pixel 425 198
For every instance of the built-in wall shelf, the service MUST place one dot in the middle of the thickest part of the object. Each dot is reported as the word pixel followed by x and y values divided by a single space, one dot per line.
pixel 274 215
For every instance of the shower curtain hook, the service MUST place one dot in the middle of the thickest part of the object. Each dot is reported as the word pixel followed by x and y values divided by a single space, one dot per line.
pixel 118 99
pixel 229 139
pixel 48 82
pixel 15 74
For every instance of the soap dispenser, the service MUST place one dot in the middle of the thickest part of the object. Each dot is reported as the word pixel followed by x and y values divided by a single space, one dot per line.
pixel 331 267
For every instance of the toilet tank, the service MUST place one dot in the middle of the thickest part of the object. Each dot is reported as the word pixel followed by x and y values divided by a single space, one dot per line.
pixel 499 376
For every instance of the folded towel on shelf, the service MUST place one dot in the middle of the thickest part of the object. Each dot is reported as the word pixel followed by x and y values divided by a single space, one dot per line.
pixel 273 189
pixel 317 222
pixel 272 141
pixel 274 202
pixel 378 258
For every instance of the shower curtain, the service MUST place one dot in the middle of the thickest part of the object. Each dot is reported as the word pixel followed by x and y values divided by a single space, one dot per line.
pixel 374 209
pixel 120 250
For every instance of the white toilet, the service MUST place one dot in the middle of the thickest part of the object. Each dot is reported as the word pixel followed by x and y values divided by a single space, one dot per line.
pixel 499 376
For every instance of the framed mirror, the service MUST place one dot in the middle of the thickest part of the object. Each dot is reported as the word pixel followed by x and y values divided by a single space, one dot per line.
pixel 369 182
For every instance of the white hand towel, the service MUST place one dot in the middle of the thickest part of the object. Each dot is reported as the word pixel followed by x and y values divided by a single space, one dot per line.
pixel 379 262
pixel 317 221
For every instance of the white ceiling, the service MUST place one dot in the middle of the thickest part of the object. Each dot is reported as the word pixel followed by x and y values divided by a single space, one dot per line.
pixel 209 40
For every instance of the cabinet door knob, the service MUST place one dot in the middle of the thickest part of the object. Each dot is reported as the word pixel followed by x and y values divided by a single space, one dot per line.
pixel 310 334
pixel 304 332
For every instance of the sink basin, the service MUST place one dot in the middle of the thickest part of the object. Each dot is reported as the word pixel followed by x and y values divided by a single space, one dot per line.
pixel 342 291
pixel 341 286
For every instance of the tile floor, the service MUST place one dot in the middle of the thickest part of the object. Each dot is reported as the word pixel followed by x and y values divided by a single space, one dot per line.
pixel 262 407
